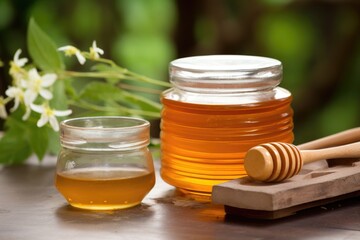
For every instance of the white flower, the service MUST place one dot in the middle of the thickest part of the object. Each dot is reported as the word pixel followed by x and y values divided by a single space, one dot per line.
pixel 3 113
pixel 16 65
pixel 17 94
pixel 36 85
pixel 49 115
pixel 95 51
pixel 19 61
pixel 70 51
pixel 27 113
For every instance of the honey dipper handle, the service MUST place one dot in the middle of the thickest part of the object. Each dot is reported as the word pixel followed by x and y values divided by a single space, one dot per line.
pixel 345 151
pixel 341 138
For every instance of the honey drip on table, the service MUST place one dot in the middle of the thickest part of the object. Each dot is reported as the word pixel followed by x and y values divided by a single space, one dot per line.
pixel 203 145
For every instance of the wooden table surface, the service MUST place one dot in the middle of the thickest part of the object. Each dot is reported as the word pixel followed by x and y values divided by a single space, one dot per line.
pixel 31 208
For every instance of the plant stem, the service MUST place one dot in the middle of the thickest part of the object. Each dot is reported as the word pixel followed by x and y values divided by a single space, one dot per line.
pixel 91 74
pixel 119 109
pixel 129 74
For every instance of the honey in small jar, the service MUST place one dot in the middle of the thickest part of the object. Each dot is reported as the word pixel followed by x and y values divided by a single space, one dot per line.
pixel 104 162
pixel 218 108
pixel 105 189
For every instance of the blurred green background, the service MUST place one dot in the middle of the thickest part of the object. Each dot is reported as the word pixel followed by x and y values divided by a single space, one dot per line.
pixel 317 41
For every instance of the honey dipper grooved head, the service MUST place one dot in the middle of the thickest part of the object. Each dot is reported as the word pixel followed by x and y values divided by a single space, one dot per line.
pixel 273 162
pixel 258 163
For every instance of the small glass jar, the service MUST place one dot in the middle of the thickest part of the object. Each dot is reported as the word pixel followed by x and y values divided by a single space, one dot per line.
pixel 104 162
pixel 219 107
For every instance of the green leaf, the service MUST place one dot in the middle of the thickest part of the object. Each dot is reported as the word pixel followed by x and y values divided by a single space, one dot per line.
pixel 59 96
pixel 99 91
pixel 69 89
pixel 14 146
pixel 42 49
pixel 102 67
pixel 26 135
pixel 141 102
pixel 54 141
pixel 110 70
pixel 14 150
pixel 38 140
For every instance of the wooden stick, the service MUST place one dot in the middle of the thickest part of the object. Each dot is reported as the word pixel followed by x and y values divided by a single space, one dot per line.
pixel 341 138
pixel 345 151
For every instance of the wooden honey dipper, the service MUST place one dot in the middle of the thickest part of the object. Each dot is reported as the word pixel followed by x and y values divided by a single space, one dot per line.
pixel 276 161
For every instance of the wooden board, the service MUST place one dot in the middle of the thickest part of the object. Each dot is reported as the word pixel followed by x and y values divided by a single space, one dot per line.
pixel 316 184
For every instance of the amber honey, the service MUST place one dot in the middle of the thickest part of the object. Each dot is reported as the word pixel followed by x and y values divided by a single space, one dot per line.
pixel 104 162
pixel 204 144
pixel 103 189
pixel 219 107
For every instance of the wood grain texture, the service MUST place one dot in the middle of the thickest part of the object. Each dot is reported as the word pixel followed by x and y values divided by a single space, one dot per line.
pixel 308 186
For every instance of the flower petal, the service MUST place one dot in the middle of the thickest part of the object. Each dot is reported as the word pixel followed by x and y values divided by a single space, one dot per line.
pixel 62 113
pixel 3 113
pixel 15 93
pixel 24 83
pixel 11 92
pixel 43 120
pixel 17 55
pixel 29 97
pixel 46 94
pixel 27 114
pixel 16 104
pixel 33 74
pixel 54 123
pixel 20 62
pixel 66 48
pixel 37 108
pixel 80 57
pixel 48 79
pixel 100 51
pixel 96 49
pixel 63 48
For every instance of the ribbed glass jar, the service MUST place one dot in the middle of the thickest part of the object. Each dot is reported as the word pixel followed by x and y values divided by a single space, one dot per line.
pixel 104 162
pixel 218 108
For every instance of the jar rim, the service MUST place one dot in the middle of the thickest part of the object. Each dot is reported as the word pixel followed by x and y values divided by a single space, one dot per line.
pixel 215 63
pixel 100 120
pixel 105 133
pixel 225 73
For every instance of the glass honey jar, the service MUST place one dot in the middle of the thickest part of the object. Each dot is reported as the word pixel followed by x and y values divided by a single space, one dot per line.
pixel 219 107
pixel 104 163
